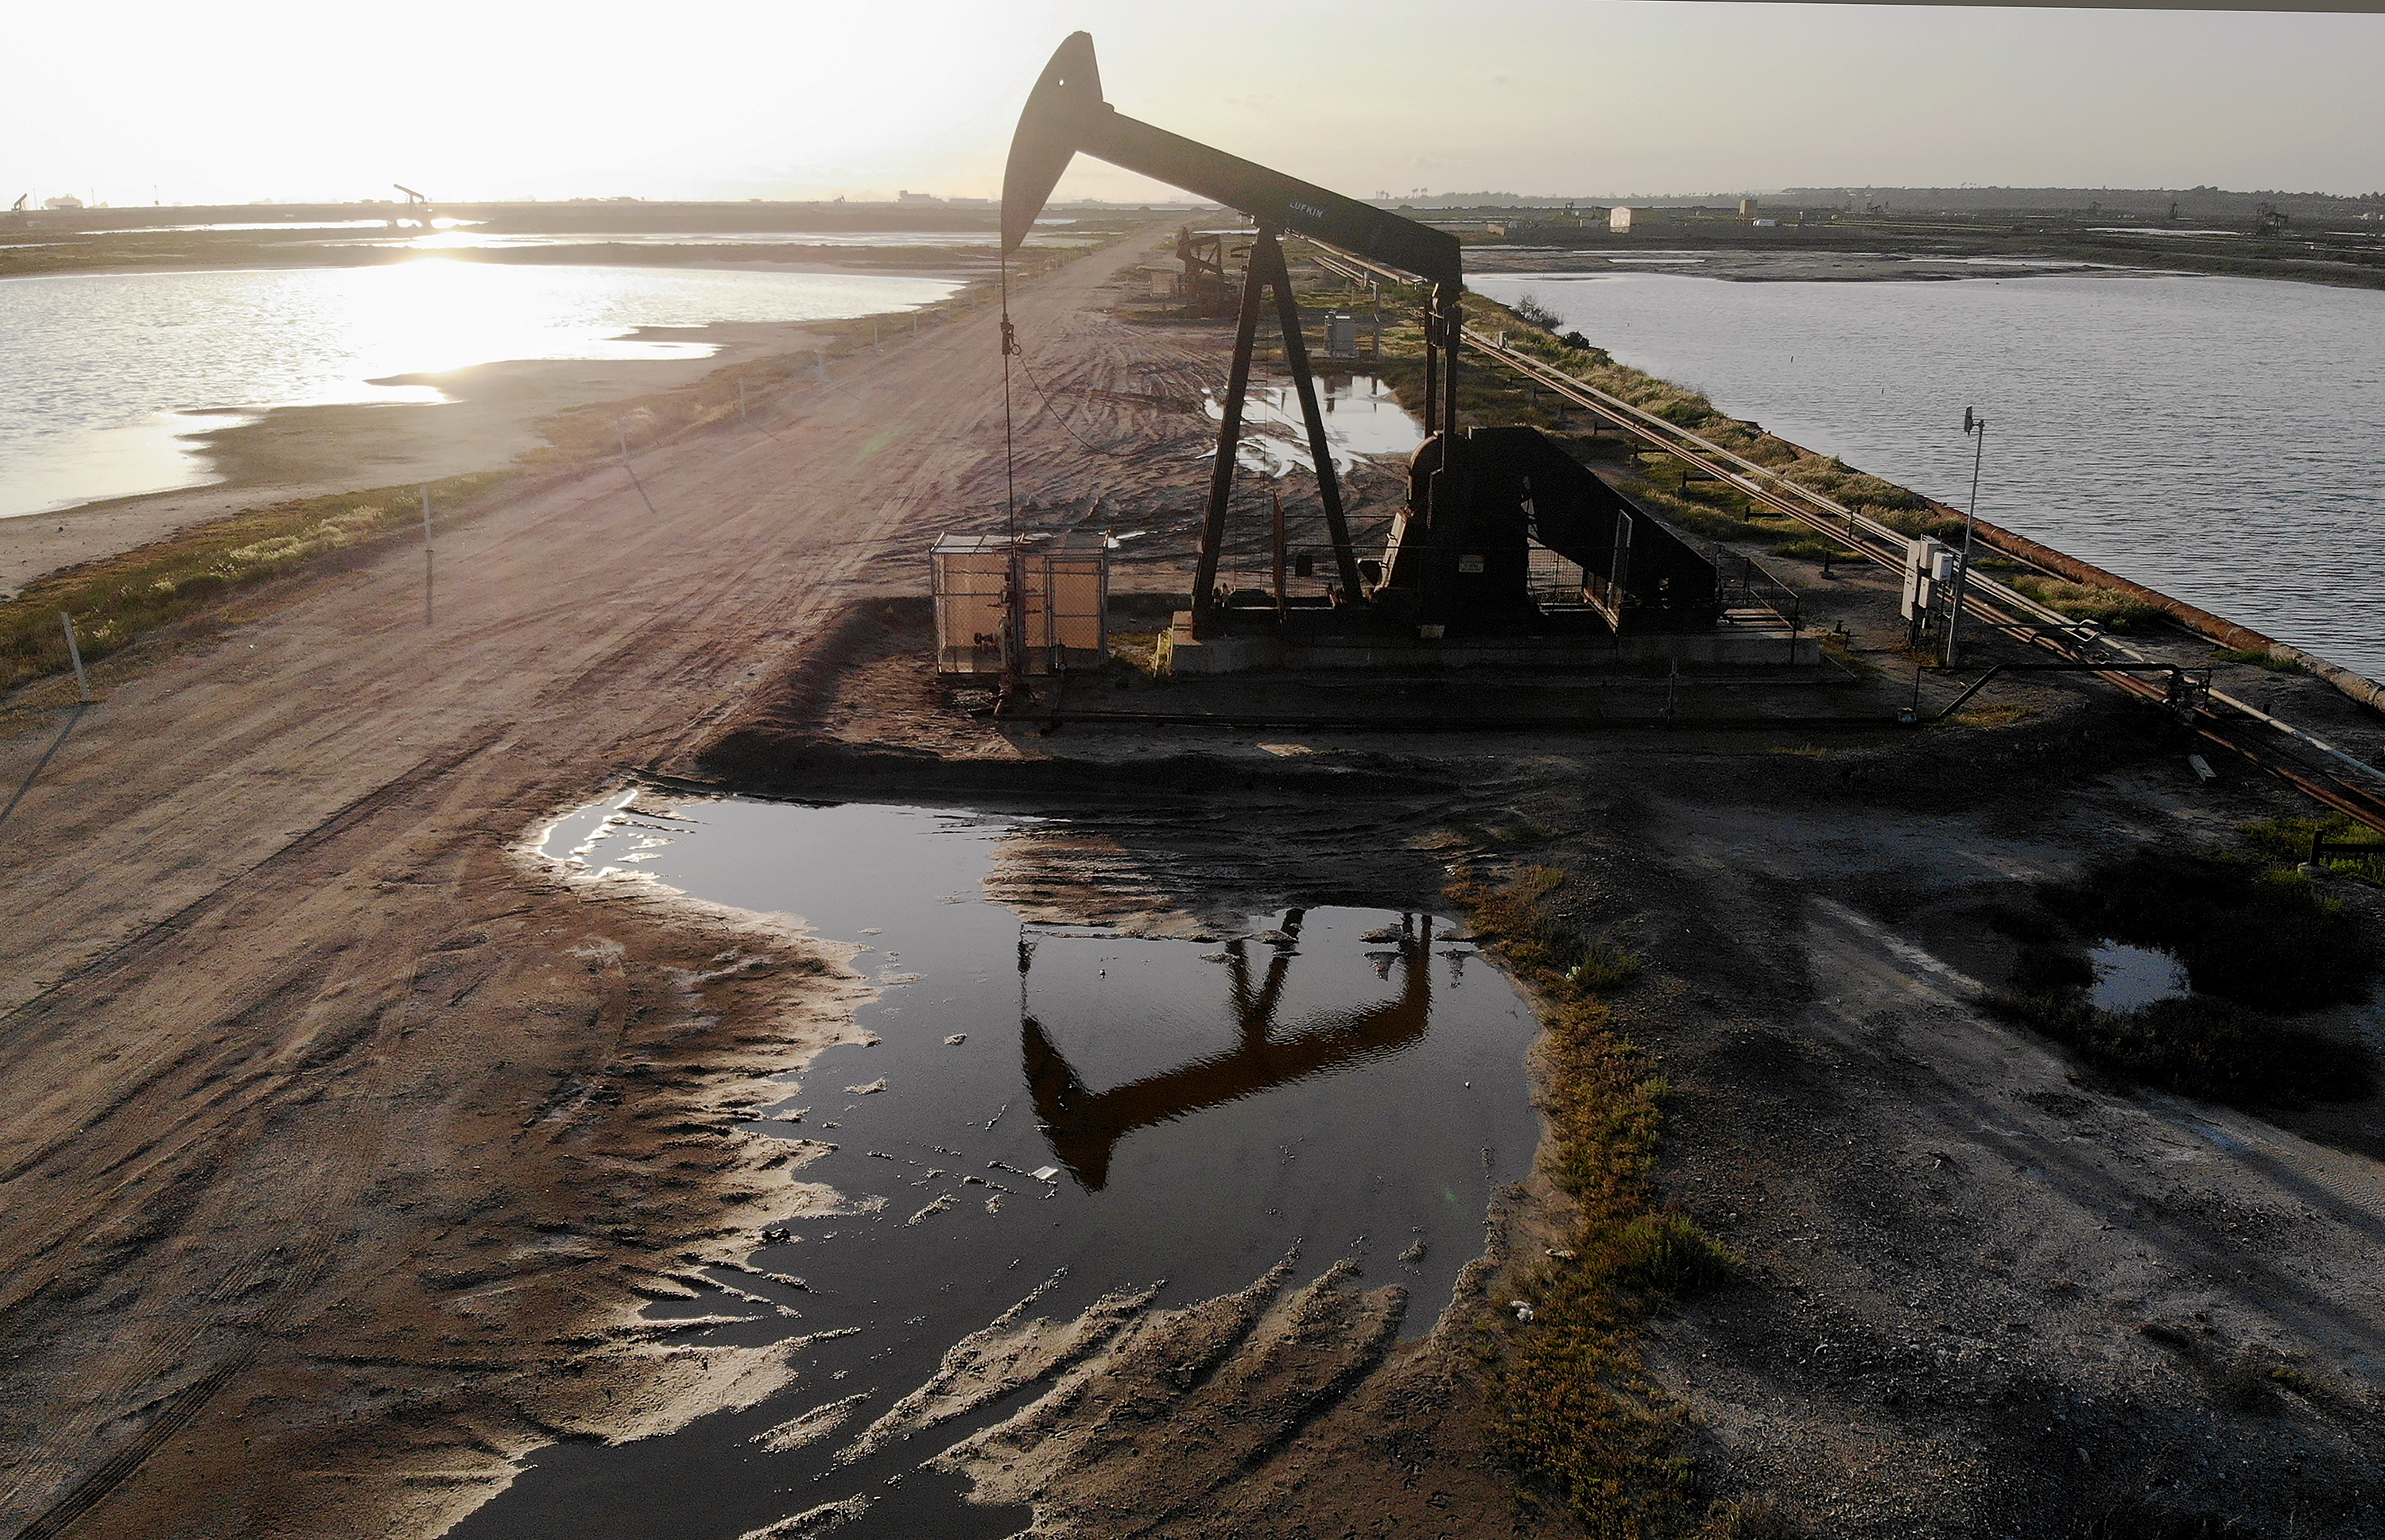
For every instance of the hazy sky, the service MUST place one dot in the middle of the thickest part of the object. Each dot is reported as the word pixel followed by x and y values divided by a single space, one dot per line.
pixel 500 98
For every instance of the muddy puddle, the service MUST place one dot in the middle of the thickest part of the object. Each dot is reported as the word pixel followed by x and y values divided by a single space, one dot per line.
pixel 2128 976
pixel 1055 1111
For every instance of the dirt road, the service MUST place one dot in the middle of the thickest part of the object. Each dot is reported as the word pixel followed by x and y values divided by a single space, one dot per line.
pixel 288 1019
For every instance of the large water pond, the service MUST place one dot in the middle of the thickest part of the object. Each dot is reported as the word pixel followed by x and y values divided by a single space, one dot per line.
pixel 1046 1106
pixel 2214 438
pixel 100 370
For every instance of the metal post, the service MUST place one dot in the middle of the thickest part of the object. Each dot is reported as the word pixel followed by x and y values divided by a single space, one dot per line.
pixel 740 401
pixel 1431 372
pixel 1229 437
pixel 1013 690
pixel 1978 428
pixel 1452 334
pixel 1276 499
pixel 74 651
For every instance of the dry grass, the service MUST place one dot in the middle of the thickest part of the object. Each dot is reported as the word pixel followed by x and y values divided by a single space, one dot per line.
pixel 1575 1417
pixel 2260 658
pixel 1812 549
pixel 2000 714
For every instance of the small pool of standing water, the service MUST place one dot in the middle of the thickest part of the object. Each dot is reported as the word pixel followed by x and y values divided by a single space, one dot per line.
pixel 1343 1081
pixel 2128 977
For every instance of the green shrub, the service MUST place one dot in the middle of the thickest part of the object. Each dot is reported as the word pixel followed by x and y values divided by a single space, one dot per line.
pixel 1667 1254
pixel 1602 967
pixel 1532 312
pixel 2288 840
pixel 2107 608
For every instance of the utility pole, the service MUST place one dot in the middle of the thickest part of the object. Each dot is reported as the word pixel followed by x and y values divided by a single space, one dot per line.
pixel 1975 427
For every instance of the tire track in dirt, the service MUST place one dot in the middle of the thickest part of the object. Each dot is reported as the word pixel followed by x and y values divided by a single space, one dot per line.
pixel 137 949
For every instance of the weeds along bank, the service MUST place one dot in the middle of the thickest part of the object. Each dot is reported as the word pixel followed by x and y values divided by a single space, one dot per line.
pixel 203 569
pixel 1574 1414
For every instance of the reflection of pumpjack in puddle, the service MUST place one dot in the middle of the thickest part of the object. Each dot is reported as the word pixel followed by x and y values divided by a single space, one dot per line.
pixel 1084 1126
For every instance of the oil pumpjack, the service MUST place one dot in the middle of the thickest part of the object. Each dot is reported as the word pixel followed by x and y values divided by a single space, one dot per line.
pixel 1457 563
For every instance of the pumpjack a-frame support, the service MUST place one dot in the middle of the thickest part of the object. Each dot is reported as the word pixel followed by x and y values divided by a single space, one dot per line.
pixel 1066 114
pixel 1267 270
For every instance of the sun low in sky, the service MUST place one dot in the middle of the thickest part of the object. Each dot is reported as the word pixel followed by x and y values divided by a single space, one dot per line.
pixel 486 99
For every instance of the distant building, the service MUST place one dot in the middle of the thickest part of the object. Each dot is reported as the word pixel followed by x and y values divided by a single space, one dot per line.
pixel 903 196
pixel 1618 219
pixel 64 200
pixel 1746 207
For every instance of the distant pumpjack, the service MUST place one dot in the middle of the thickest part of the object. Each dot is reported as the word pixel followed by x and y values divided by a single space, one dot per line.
pixel 1208 294
pixel 417 203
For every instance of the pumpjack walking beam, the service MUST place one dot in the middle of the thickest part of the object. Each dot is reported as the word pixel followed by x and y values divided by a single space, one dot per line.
pixel 1065 115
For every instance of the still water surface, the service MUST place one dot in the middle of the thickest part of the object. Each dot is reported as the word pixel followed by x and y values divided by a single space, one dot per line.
pixel 100 371
pixel 1362 419
pixel 1341 1081
pixel 2216 438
